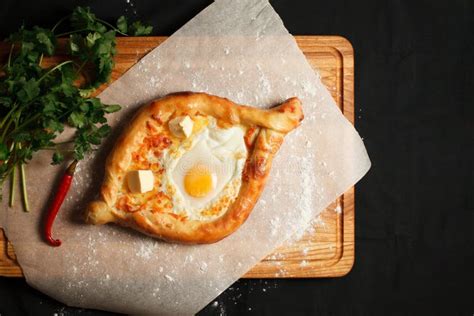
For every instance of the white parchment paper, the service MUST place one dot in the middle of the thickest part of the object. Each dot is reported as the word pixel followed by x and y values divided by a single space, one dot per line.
pixel 235 49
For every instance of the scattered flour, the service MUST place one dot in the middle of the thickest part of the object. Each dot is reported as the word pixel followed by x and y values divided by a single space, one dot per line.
pixel 203 266
pixel 144 251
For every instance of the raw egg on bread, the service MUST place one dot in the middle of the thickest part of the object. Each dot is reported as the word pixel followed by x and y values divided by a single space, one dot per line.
pixel 200 175
pixel 199 181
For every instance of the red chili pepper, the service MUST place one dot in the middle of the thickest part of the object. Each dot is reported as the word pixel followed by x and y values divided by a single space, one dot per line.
pixel 53 210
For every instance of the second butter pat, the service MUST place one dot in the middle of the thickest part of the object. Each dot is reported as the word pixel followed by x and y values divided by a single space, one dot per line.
pixel 140 181
pixel 181 126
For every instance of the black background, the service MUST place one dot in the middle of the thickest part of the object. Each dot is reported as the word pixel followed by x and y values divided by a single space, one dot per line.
pixel 415 111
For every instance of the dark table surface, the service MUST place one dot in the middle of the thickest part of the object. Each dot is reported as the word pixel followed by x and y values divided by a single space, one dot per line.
pixel 415 110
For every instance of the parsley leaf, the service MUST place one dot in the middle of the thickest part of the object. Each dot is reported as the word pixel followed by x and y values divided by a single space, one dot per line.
pixel 122 24
pixel 58 158
pixel 28 91
pixel 112 108
pixel 138 29
pixel 84 19
pixel 4 152
pixel 37 102
pixel 36 40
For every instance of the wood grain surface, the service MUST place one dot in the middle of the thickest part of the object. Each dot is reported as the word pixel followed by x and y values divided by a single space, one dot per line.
pixel 327 249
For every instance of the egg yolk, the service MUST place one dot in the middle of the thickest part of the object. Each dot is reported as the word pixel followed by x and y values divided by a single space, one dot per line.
pixel 198 181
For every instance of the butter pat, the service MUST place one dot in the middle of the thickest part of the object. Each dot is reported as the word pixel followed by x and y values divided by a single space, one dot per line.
pixel 140 181
pixel 181 126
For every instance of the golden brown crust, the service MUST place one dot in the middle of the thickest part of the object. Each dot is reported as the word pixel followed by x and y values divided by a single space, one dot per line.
pixel 273 124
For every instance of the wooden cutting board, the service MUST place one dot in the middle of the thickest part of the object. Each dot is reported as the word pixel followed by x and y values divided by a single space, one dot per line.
pixel 327 250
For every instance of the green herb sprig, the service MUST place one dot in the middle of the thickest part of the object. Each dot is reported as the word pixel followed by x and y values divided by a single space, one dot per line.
pixel 37 102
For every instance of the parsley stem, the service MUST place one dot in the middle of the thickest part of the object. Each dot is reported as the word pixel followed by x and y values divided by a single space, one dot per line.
pixel 53 69
pixel 12 188
pixel 14 107
pixel 79 69
pixel 12 152
pixel 72 32
pixel 10 55
pixel 65 114
pixel 5 130
pixel 23 187
pixel 59 22
pixel 65 142
pixel 28 121
pixel 56 149
pixel 26 205
pixel 111 26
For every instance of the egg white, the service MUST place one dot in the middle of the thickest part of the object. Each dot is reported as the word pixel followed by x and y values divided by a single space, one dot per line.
pixel 223 152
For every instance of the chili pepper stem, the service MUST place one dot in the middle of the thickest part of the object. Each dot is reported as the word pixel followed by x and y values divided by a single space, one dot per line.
pixel 72 168
pixel 11 202
pixel 26 204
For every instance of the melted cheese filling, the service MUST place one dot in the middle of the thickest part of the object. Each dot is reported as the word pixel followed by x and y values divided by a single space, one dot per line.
pixel 196 178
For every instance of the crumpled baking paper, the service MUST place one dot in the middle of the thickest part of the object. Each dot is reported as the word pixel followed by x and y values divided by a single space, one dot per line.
pixel 234 49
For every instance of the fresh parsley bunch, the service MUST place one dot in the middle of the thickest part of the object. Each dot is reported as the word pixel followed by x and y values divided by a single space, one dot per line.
pixel 36 102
